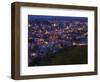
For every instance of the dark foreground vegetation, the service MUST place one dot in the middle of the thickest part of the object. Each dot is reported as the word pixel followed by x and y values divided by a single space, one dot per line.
pixel 70 56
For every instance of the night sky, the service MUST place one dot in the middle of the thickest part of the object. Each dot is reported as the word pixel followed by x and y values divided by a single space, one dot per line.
pixel 67 18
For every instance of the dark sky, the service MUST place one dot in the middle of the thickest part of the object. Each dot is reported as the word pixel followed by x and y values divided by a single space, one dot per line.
pixel 67 18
